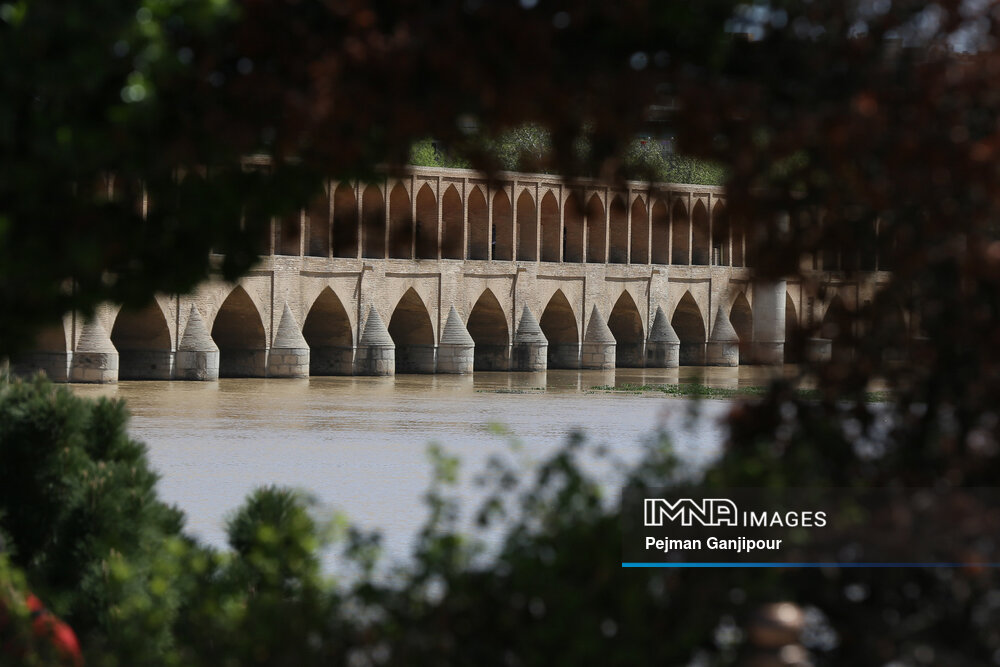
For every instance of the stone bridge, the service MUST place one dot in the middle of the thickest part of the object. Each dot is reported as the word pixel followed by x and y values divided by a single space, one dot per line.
pixel 445 271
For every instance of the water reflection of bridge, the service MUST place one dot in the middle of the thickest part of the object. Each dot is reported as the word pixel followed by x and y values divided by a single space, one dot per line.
pixel 444 271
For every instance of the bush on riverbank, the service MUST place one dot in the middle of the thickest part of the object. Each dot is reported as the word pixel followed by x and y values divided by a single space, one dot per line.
pixel 81 519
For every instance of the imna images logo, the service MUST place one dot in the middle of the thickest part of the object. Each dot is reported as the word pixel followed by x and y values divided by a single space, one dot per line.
pixel 715 512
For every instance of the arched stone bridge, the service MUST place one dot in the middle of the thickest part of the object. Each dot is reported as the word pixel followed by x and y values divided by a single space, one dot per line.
pixel 445 271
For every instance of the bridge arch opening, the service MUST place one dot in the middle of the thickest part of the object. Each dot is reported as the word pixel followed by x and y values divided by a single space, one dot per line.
pixel 503 228
pixel 345 221
pixel 239 333
pixel 400 224
pixel 318 217
pixel 550 228
pixel 426 227
pixel 559 325
pixel 479 231
pixel 573 229
pixel 527 239
pixel 626 326
pixel 488 327
pixel 48 353
pixel 689 324
pixel 452 224
pixel 373 223
pixel 794 341
pixel 142 339
pixel 741 317
pixel 836 326
pixel 596 231
pixel 700 238
pixel 618 232
pixel 640 232
pixel 327 330
pixel 660 222
pixel 411 330
pixel 680 225
pixel 721 234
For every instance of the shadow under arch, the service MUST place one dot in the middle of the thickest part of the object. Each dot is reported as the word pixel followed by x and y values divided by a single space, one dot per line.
pixel 689 324
pixel 741 317
pixel 327 330
pixel 558 323
pixel 142 338
pixel 626 326
pixel 239 333
pixel 488 327
pixel 49 353
pixel 836 327
pixel 411 330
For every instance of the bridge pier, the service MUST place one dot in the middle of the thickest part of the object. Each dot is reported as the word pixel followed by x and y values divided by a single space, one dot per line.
pixel 723 348
pixel 376 353
pixel 289 353
pixel 530 350
pixel 197 354
pixel 456 352
pixel 95 359
pixel 598 349
pixel 662 344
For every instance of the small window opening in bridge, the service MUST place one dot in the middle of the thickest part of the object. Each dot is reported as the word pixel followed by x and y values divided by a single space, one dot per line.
pixel 681 234
pixel 451 224
pixel 527 241
pixel 426 224
pixel 660 222
pixel 318 219
pixel 289 233
pixel 700 252
pixel 400 224
pixel 550 229
pixel 573 221
pixel 596 231
pixel 345 221
pixel 640 232
pixel 618 232
pixel 373 223
pixel 479 231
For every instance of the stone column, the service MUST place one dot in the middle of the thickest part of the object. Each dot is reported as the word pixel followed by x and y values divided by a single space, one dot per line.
pixel 95 358
pixel 457 350
pixel 598 349
pixel 769 322
pixel 723 347
pixel 530 349
pixel 662 345
pixel 376 352
pixel 289 354
pixel 197 353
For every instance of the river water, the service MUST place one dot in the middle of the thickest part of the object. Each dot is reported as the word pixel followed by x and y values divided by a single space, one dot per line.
pixel 359 444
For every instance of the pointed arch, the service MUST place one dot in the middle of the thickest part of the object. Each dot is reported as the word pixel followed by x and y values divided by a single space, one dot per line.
pixel 739 242
pixel 741 317
pixel 142 339
pixel 400 224
pixel 327 329
pixel 527 234
pixel 836 326
pixel 479 232
pixel 488 327
pixel 318 217
pixel 559 324
pixel 680 225
pixel 596 231
pixel 550 228
pixel 689 324
pixel 411 330
pixel 640 232
pixel 427 224
pixel 626 325
pixel 373 222
pixel 502 238
pixel 573 229
pixel 289 234
pixel 345 221
pixel 452 224
pixel 618 232
pixel 660 222
pixel 238 330
pixel 794 341
pixel 700 240
pixel 720 234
